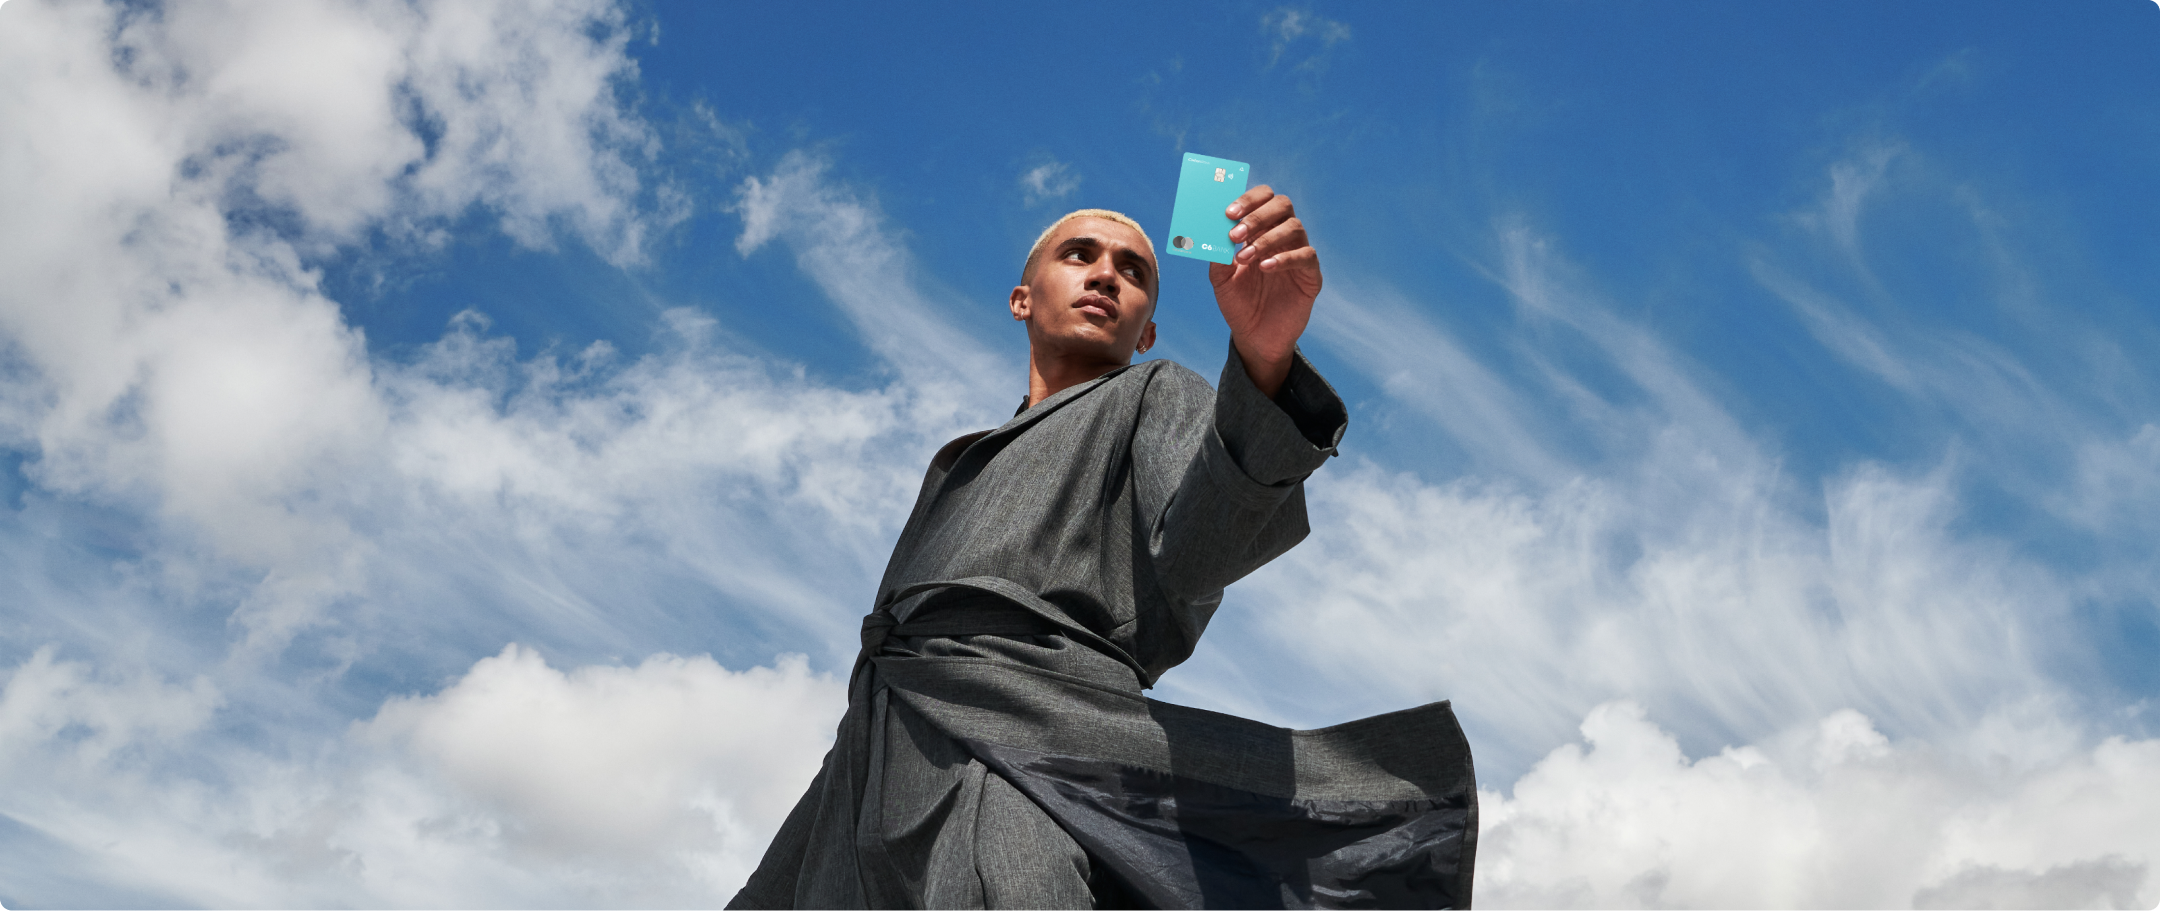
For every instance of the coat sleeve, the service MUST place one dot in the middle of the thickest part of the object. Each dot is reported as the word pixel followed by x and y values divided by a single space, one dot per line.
pixel 1221 474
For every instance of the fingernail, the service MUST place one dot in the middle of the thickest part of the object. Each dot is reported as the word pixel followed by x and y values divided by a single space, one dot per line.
pixel 1234 212
pixel 1237 233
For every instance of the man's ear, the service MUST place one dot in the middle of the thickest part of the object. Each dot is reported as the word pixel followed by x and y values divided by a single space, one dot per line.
pixel 1019 303
pixel 1147 336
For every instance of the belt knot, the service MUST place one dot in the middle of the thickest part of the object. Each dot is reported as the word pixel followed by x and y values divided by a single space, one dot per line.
pixel 877 625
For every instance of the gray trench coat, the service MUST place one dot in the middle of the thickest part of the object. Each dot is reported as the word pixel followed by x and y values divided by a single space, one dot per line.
pixel 997 750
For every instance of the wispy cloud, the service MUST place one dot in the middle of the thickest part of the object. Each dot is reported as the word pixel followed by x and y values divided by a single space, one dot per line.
pixel 1048 181
pixel 845 246
pixel 2045 400
pixel 295 623
pixel 1848 655
pixel 1290 27
pixel 1617 531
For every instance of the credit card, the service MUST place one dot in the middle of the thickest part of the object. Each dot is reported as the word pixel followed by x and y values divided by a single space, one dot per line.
pixel 1205 187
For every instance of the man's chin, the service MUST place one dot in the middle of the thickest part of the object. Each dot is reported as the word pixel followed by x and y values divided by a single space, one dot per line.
pixel 1089 346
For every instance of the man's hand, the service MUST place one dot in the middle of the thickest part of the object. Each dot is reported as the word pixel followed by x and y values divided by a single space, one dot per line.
pixel 1267 295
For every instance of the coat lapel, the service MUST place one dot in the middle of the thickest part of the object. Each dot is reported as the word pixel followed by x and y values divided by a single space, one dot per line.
pixel 948 456
pixel 1063 397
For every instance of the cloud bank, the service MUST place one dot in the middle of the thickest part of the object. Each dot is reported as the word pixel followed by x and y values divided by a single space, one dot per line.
pixel 294 622
pixel 241 529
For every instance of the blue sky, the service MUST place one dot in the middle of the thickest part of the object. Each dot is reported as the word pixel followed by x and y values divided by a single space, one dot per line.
pixel 445 447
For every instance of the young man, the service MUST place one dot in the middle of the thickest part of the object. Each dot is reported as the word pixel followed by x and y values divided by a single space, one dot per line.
pixel 997 750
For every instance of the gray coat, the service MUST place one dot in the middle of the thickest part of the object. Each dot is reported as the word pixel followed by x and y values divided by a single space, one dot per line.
pixel 1052 569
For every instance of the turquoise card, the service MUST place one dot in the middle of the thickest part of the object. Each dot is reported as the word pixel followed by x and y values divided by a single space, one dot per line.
pixel 1205 186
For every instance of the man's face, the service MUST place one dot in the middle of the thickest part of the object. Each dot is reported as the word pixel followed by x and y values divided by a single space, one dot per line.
pixel 1092 295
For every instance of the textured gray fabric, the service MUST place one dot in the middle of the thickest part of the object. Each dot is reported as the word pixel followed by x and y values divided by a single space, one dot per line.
pixel 1051 570
pixel 960 837
pixel 1120 503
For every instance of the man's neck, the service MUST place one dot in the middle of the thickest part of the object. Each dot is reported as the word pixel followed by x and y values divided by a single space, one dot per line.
pixel 1050 373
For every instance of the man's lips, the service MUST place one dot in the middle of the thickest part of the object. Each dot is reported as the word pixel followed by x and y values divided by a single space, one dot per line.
pixel 1098 304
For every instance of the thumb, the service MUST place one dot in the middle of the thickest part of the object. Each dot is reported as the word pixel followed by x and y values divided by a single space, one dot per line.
pixel 1218 273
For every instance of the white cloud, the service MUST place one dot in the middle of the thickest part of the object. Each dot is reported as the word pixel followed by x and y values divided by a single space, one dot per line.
pixel 663 781
pixel 181 374
pixel 2116 483
pixel 1288 26
pixel 1047 181
pixel 1627 537
pixel 177 361
pixel 2047 402
pixel 66 707
pixel 1831 814
pixel 1408 357
pixel 653 785
pixel 1717 601
pixel 187 160
pixel 183 381
pixel 845 245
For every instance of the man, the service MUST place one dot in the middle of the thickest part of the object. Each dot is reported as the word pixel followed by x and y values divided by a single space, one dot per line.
pixel 997 750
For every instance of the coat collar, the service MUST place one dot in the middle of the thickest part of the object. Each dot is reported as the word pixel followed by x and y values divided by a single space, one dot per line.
pixel 949 454
pixel 1056 401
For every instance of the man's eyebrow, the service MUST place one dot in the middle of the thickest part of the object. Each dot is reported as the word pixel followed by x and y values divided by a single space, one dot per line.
pixel 1129 254
pixel 1137 258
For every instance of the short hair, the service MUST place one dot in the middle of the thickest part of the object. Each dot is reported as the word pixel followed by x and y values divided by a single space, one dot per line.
pixel 1027 269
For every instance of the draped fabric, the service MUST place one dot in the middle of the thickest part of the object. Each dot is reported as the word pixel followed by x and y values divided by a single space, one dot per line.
pixel 998 750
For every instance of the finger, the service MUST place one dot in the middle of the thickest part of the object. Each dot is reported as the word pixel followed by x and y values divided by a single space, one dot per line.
pixel 1249 200
pixel 1283 237
pixel 1263 219
pixel 1302 259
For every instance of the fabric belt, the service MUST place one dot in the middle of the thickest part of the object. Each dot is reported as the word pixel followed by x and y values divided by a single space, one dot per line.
pixel 989 617
pixel 985 609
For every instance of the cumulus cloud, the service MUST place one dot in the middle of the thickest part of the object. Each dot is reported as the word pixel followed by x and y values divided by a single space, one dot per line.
pixel 171 351
pixel 174 348
pixel 518 784
pixel 593 506
pixel 248 530
pixel 1832 814
pixel 211 447
pixel 659 783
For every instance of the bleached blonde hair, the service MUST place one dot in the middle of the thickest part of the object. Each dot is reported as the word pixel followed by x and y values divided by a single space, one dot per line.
pixel 1027 269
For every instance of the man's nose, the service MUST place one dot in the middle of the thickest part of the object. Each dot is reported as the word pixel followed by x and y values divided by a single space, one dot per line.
pixel 1102 275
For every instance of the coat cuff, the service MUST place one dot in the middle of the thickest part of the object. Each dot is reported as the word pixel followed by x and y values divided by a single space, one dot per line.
pixel 1281 440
